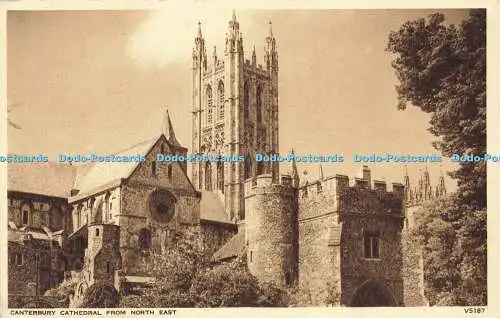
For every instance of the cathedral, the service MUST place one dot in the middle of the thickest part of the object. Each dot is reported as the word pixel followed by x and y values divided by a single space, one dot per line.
pixel 101 222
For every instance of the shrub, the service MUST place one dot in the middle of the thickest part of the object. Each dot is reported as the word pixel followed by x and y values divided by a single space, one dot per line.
pixel 100 295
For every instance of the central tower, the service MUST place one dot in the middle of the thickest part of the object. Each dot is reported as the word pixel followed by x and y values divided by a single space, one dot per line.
pixel 235 113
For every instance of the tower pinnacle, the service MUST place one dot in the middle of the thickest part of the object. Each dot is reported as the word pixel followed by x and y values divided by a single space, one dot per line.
pixel 200 35
pixel 168 130
pixel 295 172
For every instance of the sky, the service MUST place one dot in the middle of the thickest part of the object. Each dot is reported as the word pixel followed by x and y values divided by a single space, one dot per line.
pixel 100 81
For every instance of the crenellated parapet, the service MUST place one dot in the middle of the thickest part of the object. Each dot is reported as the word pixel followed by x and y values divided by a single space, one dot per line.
pixel 358 195
pixel 263 184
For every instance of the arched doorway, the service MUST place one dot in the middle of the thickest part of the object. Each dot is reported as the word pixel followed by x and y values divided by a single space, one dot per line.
pixel 372 294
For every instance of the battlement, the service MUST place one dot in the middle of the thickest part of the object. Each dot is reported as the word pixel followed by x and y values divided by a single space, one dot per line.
pixel 335 184
pixel 356 195
pixel 257 69
pixel 263 184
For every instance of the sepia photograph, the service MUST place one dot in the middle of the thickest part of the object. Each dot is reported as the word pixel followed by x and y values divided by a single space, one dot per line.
pixel 238 157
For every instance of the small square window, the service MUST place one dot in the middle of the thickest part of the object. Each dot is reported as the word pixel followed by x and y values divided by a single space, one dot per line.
pixel 19 259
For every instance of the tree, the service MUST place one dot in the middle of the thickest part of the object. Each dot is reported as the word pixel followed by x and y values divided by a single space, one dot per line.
pixel 100 295
pixel 193 281
pixel 454 252
pixel 442 69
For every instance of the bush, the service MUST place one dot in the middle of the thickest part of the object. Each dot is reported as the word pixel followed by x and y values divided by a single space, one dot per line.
pixel 100 295
pixel 232 285
pixel 63 290
pixel 173 299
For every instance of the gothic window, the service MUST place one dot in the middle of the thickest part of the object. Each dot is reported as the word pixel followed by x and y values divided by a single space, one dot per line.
pixel 19 259
pixel 25 214
pixel 107 205
pixel 260 168
pixel 248 168
pixel 259 105
pixel 221 100
pixel 162 205
pixel 372 245
pixel 209 104
pixel 96 232
pixel 77 216
pixel 153 168
pixel 144 240
pixel 208 176
pixel 44 260
pixel 108 267
pixel 169 172
pixel 246 100
pixel 220 176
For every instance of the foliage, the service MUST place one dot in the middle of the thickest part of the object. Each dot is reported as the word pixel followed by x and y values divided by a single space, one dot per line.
pixel 100 295
pixel 193 282
pixel 442 69
pixel 232 285
pixel 454 251
pixel 63 290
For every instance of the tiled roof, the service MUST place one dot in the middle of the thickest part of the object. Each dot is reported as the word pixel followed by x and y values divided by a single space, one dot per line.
pixel 93 175
pixel 233 248
pixel 50 178
pixel 212 208
pixel 17 235
pixel 57 179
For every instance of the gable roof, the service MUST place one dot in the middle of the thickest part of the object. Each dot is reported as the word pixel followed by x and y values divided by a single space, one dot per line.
pixel 94 175
pixel 58 179
pixel 44 178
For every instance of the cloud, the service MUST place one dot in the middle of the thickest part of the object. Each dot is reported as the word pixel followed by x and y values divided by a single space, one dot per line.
pixel 168 36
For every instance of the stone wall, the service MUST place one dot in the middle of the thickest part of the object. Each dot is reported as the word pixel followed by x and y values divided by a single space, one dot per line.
pixel 271 231
pixel 33 276
pixel 413 267
pixel 136 216
pixel 43 211
pixel 363 210
pixel 319 243
pixel 103 252
pixel 356 269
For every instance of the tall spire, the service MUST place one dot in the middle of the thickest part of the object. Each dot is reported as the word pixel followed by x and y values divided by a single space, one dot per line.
pixel 234 15
pixel 254 56
pixel 200 35
pixel 295 172
pixel 321 176
pixel 168 130
pixel 270 29
pixel 441 185
pixel 408 195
